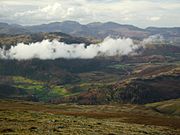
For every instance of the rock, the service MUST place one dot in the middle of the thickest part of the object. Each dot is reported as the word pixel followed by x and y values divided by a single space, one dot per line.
pixel 7 130
pixel 111 134
pixel 33 128
pixel 56 130
pixel 60 127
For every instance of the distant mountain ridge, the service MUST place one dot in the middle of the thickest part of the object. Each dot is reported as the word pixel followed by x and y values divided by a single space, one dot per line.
pixel 92 30
pixel 12 29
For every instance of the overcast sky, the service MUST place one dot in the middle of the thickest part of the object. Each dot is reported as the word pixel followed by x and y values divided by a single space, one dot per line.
pixel 142 13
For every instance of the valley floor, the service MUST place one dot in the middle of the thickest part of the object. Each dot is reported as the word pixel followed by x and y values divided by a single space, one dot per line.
pixel 29 118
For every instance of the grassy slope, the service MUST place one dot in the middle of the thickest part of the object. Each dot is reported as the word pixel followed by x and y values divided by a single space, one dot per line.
pixel 171 107
pixel 17 117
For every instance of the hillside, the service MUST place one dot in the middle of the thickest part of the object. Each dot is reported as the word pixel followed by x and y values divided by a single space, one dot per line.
pixel 169 107
pixel 12 40
pixel 19 117
pixel 88 83
pixel 146 84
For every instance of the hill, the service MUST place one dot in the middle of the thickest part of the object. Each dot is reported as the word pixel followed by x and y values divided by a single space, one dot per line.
pixel 12 40
pixel 144 85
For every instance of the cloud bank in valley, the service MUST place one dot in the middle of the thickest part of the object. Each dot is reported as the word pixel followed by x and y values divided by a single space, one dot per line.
pixel 153 39
pixel 55 49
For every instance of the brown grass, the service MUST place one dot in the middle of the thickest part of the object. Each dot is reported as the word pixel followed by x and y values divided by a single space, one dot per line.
pixel 126 113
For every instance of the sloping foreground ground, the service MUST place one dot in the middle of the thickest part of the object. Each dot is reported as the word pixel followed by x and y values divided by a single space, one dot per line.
pixel 28 118
pixel 170 107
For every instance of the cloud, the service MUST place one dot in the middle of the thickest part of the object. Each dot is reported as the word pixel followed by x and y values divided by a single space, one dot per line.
pixel 30 12
pixel 103 1
pixel 153 39
pixel 54 49
pixel 154 18
pixel 53 12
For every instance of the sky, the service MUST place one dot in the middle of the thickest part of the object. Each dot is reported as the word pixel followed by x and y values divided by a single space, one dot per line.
pixel 141 13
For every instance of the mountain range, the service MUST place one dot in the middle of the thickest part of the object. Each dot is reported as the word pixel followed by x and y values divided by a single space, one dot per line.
pixel 93 30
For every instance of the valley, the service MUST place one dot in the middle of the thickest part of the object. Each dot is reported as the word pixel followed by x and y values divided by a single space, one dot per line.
pixel 89 83
pixel 133 94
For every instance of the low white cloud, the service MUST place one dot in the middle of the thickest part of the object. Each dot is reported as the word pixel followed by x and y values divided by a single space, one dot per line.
pixel 54 49
pixel 153 39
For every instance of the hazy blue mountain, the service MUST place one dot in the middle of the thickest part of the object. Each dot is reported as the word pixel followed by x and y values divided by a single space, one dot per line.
pixel 93 30
pixel 12 29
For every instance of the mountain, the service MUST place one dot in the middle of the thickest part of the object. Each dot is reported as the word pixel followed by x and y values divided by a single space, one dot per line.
pixel 172 31
pixel 103 30
pixel 12 29
pixel 65 27
pixel 168 33
pixel 96 30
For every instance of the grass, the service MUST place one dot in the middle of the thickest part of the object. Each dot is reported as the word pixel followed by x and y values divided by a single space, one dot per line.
pixel 59 90
pixel 42 90
pixel 122 66
pixel 170 107
pixel 20 79
pixel 154 70
pixel 30 87
pixel 18 117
